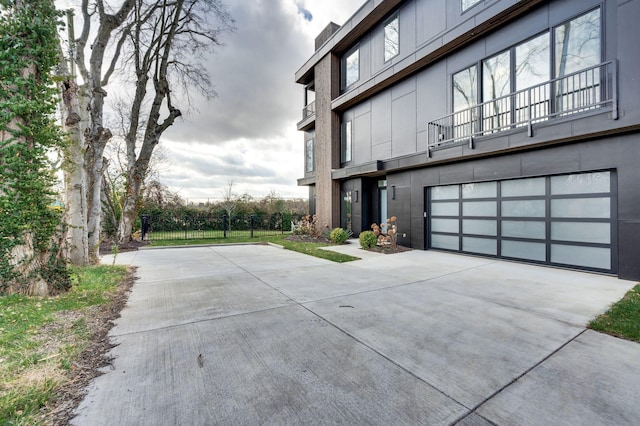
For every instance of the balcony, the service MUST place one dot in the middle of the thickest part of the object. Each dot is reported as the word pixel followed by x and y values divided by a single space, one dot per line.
pixel 308 117
pixel 590 89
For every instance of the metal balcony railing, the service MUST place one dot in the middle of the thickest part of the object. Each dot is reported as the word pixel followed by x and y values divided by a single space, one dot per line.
pixel 585 90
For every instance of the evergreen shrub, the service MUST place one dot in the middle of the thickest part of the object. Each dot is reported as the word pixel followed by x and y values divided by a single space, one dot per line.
pixel 368 239
pixel 338 236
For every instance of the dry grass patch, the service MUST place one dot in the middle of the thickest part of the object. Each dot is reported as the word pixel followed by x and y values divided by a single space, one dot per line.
pixel 50 348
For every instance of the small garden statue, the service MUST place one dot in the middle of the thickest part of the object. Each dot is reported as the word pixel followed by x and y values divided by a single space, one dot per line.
pixel 391 236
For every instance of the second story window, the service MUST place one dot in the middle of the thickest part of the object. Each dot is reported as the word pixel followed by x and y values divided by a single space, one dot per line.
pixel 345 142
pixel 577 47
pixel 578 43
pixel 465 96
pixel 350 68
pixel 515 85
pixel 496 83
pixel 391 38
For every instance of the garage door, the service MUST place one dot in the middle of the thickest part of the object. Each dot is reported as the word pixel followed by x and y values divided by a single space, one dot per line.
pixel 565 220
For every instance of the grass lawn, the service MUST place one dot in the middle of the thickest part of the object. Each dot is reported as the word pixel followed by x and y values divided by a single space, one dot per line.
pixel 41 338
pixel 623 318
pixel 312 249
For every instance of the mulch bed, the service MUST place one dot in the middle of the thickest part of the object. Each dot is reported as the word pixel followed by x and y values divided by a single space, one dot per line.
pixel 388 249
pixel 106 247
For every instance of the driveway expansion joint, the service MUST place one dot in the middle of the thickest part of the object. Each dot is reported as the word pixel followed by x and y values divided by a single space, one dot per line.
pixel 527 371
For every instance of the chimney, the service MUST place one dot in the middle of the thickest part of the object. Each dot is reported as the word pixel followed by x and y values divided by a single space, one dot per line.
pixel 326 34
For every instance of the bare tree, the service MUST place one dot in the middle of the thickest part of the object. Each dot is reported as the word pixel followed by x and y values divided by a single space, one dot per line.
pixel 115 174
pixel 88 135
pixel 229 199
pixel 166 38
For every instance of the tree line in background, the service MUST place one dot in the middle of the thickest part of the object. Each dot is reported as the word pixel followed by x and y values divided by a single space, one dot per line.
pixel 159 201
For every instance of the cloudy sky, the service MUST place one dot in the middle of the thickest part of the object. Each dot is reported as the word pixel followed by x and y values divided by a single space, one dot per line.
pixel 248 134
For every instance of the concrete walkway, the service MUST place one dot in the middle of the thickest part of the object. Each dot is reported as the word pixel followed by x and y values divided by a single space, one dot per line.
pixel 260 335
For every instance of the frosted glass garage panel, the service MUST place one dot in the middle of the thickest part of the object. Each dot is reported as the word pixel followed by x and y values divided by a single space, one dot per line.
pixel 582 183
pixel 480 227
pixel 448 242
pixel 592 208
pixel 479 208
pixel 448 192
pixel 480 190
pixel 582 232
pixel 590 257
pixel 524 229
pixel 523 208
pixel 445 225
pixel 524 250
pixel 523 187
pixel 480 245
pixel 445 209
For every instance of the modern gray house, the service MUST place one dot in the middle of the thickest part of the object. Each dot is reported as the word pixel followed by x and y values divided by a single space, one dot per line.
pixel 500 128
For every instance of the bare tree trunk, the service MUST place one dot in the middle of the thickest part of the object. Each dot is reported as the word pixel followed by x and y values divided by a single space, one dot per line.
pixel 130 209
pixel 95 169
pixel 74 174
pixel 96 79
pixel 158 56
pixel 26 261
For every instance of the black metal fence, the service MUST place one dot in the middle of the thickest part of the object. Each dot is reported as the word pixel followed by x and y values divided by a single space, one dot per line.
pixel 210 226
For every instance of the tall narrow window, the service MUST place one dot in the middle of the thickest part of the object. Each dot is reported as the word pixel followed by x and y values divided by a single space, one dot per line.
pixel 346 208
pixel 391 38
pixel 531 69
pixel 465 96
pixel 578 43
pixel 345 142
pixel 577 47
pixel 310 156
pixel 496 82
pixel 351 68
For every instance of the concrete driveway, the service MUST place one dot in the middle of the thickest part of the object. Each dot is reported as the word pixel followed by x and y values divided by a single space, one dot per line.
pixel 259 335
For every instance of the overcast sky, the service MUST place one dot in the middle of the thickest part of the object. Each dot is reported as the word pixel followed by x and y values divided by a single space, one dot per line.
pixel 248 132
